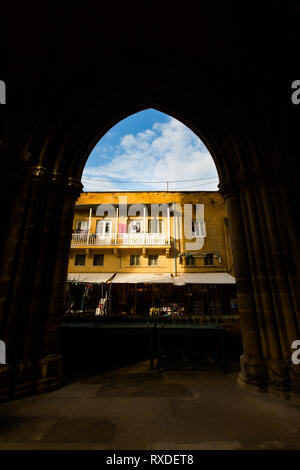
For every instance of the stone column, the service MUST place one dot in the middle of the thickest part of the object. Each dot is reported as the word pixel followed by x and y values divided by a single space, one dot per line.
pixel 253 368
pixel 45 253
pixel 260 222
pixel 260 254
pixel 50 363
pixel 25 230
pixel 12 243
pixel 280 229
pixel 33 282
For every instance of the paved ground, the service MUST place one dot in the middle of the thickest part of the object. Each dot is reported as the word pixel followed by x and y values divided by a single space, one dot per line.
pixel 134 408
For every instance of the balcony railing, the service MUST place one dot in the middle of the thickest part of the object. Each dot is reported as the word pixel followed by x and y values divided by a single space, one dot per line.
pixel 120 239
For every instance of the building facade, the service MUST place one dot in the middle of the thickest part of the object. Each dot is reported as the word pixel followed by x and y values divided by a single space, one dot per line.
pixel 151 253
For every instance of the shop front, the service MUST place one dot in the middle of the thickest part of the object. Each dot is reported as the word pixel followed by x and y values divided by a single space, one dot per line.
pixel 88 294
pixel 187 296
pixel 157 313
pixel 190 296
pixel 145 294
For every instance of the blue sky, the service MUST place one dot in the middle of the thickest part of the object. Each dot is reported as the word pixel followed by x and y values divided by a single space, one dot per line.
pixel 146 150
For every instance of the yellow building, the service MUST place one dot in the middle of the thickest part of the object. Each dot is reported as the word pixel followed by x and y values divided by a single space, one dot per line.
pixel 144 251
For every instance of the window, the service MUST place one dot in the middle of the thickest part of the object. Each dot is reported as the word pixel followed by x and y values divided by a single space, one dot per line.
pixel 209 259
pixel 98 260
pixel 103 227
pixel 153 260
pixel 190 260
pixel 198 228
pixel 135 226
pixel 80 260
pixel 155 226
pixel 81 226
pixel 134 260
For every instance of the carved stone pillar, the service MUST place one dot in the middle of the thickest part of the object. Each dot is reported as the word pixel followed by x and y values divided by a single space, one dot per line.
pixel 50 366
pixel 9 264
pixel 253 368
pixel 260 222
pixel 36 269
pixel 259 249
pixel 45 253
pixel 25 230
pixel 279 231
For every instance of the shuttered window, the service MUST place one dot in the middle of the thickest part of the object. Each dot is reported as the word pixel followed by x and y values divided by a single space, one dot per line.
pixel 134 260
pixel 103 227
pixel 98 260
pixel 190 261
pixel 155 226
pixel 198 228
pixel 80 260
pixel 209 259
pixel 82 226
pixel 153 260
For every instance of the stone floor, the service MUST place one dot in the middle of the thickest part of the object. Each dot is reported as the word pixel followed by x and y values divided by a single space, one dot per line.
pixel 134 408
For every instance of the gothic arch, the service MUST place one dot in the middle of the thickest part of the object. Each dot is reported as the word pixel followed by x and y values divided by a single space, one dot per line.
pixel 51 159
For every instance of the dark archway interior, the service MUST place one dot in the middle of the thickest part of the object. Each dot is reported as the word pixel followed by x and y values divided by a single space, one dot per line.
pixel 227 77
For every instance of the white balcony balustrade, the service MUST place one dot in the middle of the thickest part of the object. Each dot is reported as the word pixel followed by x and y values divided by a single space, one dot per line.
pixel 120 239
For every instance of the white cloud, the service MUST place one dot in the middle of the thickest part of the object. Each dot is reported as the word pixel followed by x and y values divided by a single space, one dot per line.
pixel 169 151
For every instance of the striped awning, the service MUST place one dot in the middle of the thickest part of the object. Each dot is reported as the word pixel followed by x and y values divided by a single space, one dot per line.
pixel 89 277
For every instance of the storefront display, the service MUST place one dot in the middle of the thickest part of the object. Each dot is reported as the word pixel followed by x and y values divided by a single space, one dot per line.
pixel 151 300
pixel 102 307
pixel 167 310
pixel 87 298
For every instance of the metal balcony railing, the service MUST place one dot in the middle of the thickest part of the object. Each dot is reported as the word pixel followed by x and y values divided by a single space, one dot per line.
pixel 120 239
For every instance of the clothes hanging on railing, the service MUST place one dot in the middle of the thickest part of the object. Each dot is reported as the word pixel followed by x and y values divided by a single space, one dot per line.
pixel 122 228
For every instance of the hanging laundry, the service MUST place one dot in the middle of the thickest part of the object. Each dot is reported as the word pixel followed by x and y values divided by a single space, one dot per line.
pixel 122 228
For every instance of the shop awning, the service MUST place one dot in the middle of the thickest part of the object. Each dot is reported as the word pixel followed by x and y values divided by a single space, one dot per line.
pixel 89 277
pixel 207 278
pixel 154 278
pixel 143 278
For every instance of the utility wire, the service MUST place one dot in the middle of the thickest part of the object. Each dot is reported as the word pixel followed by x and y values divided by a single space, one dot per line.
pixel 148 182
pixel 170 189
pixel 194 185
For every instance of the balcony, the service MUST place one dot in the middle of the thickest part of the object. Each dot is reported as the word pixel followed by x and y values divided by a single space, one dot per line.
pixel 120 239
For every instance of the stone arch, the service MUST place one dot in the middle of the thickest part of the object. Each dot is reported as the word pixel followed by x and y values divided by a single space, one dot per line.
pixel 52 158
pixel 57 138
